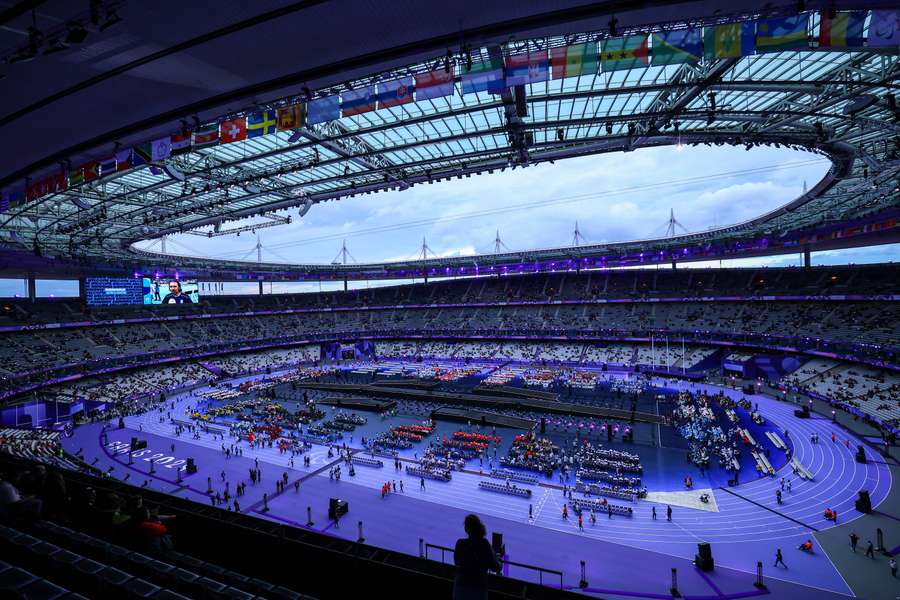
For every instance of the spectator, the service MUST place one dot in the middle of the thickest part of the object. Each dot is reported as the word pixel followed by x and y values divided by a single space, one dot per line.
pixel 473 557
pixel 14 507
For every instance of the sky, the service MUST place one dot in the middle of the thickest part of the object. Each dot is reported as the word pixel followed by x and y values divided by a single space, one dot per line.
pixel 612 197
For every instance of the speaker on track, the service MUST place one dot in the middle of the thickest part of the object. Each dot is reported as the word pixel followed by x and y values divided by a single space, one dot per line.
pixel 337 507
pixel 543 425
pixel 704 557
pixel 802 412
pixel 191 466
pixel 860 455
pixel 864 503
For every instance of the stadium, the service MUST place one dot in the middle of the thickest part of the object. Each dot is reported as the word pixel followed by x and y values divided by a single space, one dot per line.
pixel 707 413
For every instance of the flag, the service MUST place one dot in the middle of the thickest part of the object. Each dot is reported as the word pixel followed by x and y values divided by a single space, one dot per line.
pixel 108 166
pixel 323 109
pixel 291 116
pixel 123 160
pixel 574 61
pixel 531 67
pixel 357 102
pixel 779 35
pixel 843 31
pixel 484 76
pixel 261 123
pixel 206 136
pixel 143 153
pixel 732 40
pixel 180 143
pixel 76 177
pixel 395 93
pixel 678 46
pixel 434 84
pixel 62 182
pixel 233 130
pixel 884 28
pixel 161 149
pixel 625 53
pixel 91 170
pixel 10 200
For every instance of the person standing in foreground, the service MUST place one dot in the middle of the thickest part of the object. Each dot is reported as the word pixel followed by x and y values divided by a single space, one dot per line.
pixel 473 558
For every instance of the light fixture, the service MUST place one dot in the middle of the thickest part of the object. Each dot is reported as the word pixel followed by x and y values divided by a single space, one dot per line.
pixel 76 33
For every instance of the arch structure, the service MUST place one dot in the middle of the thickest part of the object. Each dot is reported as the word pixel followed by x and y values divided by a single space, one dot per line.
pixel 838 102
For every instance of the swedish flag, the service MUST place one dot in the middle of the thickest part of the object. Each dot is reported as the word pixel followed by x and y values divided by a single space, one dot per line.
pixel 261 123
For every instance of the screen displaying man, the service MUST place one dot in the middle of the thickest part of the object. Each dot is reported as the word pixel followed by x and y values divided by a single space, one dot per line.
pixel 175 295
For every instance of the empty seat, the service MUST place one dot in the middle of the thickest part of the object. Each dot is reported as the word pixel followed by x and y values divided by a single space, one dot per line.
pixel 42 590
pixel 139 588
pixel 14 578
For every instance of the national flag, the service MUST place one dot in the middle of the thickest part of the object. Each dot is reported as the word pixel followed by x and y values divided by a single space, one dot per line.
pixel 780 35
pixel 15 199
pixel 357 102
pixel 143 153
pixel 484 76
pixel 233 130
pixel 207 136
pixel 161 149
pixel 76 176
pixel 677 46
pixel 291 116
pixel 108 166
pixel 261 123
pixel 575 60
pixel 434 84
pixel 884 28
pixel 180 142
pixel 33 191
pixel 91 170
pixel 845 30
pixel 124 160
pixel 62 182
pixel 395 93
pixel 732 40
pixel 530 67
pixel 324 109
pixel 625 53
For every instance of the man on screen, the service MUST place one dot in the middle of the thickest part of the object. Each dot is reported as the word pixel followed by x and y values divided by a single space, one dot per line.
pixel 175 295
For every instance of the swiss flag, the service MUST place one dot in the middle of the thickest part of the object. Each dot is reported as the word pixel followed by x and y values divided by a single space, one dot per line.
pixel 234 130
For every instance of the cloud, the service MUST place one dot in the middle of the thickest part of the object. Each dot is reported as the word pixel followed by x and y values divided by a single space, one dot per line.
pixel 613 197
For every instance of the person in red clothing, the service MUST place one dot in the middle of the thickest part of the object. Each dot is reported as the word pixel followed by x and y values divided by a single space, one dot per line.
pixel 565 511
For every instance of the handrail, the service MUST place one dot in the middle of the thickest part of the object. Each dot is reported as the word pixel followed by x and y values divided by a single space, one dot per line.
pixel 540 570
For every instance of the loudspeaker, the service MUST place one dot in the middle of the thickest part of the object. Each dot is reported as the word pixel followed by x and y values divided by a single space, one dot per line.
pixel 543 425
pixel 749 389
pixel 191 466
pixel 704 558
pixel 137 444
pixel 860 455
pixel 497 543
pixel 521 104
pixel 864 503
pixel 337 507
pixel 483 420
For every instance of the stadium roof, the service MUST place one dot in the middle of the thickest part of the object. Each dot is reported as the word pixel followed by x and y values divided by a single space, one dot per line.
pixel 142 84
